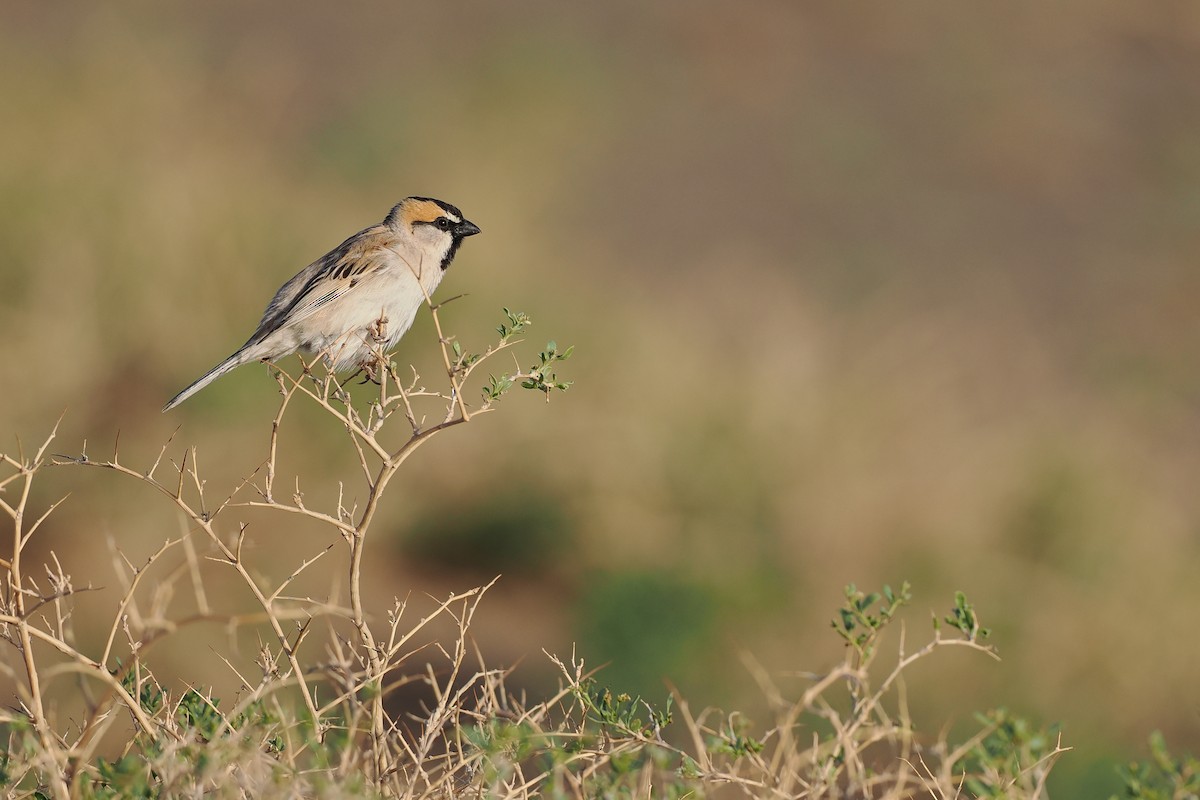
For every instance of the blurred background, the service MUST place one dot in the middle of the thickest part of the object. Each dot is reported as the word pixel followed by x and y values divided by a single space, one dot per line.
pixel 858 293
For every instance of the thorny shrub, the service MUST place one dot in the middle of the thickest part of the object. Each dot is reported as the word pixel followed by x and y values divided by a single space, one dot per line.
pixel 314 721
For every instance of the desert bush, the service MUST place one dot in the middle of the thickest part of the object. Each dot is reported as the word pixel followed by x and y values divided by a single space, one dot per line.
pixel 316 719
pixel 309 719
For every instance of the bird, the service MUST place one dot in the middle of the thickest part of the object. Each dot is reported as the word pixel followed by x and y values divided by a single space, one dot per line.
pixel 360 297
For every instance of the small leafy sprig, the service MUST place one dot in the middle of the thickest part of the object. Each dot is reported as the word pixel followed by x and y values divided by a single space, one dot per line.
pixel 1164 776
pixel 542 376
pixel 622 712
pixel 517 322
pixel 963 618
pixel 859 624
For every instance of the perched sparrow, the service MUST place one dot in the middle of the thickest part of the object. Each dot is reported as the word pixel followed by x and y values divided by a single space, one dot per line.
pixel 361 296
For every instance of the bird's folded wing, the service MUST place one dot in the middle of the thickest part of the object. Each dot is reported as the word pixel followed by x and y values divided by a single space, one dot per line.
pixel 340 273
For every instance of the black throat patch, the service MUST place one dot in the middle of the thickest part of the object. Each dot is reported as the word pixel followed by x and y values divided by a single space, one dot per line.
pixel 455 241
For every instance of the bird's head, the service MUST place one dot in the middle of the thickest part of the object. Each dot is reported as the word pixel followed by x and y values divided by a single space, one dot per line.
pixel 436 227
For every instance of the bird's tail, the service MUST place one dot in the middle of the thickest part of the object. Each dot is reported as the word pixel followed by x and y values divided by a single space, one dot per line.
pixel 235 360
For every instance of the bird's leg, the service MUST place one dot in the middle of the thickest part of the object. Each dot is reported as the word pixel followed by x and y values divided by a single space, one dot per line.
pixel 378 329
pixel 353 375
pixel 370 370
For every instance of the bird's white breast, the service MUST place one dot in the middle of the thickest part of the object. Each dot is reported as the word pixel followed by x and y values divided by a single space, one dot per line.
pixel 371 316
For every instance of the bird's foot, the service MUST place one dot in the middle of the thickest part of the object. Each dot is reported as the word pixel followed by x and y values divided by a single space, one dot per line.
pixel 377 330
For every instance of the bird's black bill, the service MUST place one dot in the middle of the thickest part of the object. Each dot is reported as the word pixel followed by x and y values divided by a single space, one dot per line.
pixel 465 228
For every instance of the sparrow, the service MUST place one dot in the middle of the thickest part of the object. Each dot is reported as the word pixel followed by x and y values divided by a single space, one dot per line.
pixel 358 298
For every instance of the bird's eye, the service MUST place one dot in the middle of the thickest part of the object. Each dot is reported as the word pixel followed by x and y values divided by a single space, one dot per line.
pixel 442 224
